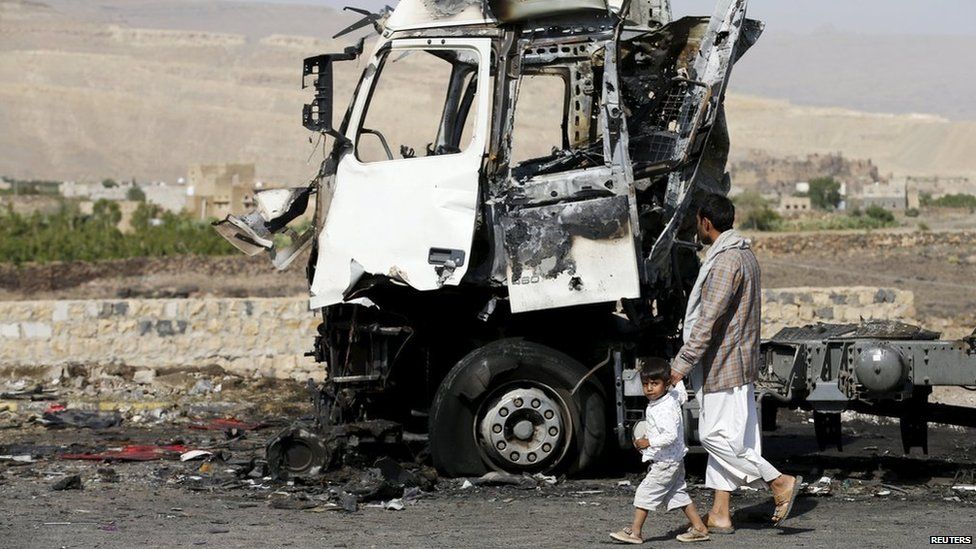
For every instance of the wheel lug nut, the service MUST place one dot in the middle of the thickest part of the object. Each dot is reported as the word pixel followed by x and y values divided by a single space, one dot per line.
pixel 514 456
pixel 501 445
pixel 496 428
pixel 517 402
pixel 503 412
pixel 536 403
pixel 547 447
pixel 531 457
pixel 553 431
pixel 548 414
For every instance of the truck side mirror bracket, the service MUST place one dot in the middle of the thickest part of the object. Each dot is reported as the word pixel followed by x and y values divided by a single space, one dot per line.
pixel 317 115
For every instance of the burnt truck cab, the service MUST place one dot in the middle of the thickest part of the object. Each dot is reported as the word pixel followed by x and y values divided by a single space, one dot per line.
pixel 487 278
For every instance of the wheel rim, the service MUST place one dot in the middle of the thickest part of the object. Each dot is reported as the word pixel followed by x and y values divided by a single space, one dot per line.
pixel 524 427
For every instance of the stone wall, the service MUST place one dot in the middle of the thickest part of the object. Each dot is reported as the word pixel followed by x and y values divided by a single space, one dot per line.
pixel 799 306
pixel 263 337
pixel 268 337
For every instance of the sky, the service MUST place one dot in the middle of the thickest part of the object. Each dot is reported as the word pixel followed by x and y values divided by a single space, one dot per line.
pixel 914 17
pixel 924 17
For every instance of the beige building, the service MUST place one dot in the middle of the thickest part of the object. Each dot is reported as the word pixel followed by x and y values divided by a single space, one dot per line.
pixel 794 205
pixel 890 196
pixel 217 190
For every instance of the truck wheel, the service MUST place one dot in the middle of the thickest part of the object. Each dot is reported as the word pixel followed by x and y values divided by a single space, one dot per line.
pixel 508 407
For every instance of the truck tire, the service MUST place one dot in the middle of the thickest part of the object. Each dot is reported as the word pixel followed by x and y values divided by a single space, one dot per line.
pixel 508 406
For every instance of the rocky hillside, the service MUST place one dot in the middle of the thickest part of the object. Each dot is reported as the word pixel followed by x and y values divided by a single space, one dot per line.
pixel 144 88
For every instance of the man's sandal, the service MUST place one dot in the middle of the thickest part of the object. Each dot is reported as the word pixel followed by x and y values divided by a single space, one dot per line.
pixel 714 529
pixel 627 536
pixel 784 504
pixel 693 535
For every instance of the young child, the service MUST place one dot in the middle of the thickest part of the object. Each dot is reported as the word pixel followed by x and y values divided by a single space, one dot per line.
pixel 663 445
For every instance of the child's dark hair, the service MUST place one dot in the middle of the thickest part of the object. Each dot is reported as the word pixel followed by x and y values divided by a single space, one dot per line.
pixel 654 368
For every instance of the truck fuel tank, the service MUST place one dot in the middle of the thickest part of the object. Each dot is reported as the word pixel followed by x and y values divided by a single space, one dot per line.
pixel 881 368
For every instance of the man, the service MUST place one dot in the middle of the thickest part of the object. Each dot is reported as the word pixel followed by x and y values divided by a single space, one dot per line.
pixel 721 352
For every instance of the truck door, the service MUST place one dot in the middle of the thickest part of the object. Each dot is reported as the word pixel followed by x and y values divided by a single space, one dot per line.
pixel 405 195
pixel 570 225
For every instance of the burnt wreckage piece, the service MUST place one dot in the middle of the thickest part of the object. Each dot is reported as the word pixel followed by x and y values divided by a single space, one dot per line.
pixel 497 304
pixel 876 367
pixel 466 295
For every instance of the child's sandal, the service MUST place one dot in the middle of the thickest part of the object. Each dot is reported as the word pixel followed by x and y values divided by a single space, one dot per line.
pixel 627 536
pixel 693 535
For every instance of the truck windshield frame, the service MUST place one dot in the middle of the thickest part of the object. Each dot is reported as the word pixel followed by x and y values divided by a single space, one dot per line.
pixel 457 113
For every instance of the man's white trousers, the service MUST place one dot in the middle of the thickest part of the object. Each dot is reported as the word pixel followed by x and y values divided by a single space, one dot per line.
pixel 728 427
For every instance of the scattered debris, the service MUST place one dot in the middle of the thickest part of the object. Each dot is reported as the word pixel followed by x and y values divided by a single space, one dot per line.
pixel 497 478
pixel 133 453
pixel 72 482
pixel 232 425
pixel 412 494
pixel 107 474
pixel 293 503
pixel 894 488
pixel 348 502
pixel 547 479
pixel 395 504
pixel 195 454
pixel 821 487
pixel 24 458
pixel 63 418
pixel 202 387
pixel 623 483
pixel 20 392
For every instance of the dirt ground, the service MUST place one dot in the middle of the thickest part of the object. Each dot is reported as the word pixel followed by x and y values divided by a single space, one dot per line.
pixel 869 493
pixel 170 517
pixel 938 267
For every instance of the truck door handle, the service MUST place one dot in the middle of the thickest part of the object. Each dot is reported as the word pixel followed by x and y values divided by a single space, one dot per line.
pixel 440 256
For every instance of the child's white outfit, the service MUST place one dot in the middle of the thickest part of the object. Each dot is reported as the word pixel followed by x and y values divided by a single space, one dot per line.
pixel 665 480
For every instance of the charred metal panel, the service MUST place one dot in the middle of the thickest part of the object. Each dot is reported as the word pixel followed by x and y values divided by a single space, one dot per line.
pixel 708 76
pixel 570 254
pixel 564 186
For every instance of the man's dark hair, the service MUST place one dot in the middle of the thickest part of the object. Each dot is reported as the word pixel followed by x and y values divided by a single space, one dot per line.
pixel 719 210
pixel 654 368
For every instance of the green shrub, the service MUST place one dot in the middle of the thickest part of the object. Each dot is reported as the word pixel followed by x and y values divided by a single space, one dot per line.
pixel 955 201
pixel 912 212
pixel 30 186
pixel 70 235
pixel 753 213
pixel 880 214
pixel 824 193
pixel 136 194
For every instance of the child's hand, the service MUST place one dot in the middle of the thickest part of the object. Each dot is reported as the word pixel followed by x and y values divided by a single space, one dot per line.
pixel 641 443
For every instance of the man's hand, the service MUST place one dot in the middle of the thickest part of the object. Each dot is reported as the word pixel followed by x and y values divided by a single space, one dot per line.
pixel 641 443
pixel 675 378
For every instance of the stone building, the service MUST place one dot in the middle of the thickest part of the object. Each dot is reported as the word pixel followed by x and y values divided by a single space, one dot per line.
pixel 794 205
pixel 767 174
pixel 168 197
pixel 890 196
pixel 217 190
pixel 936 186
